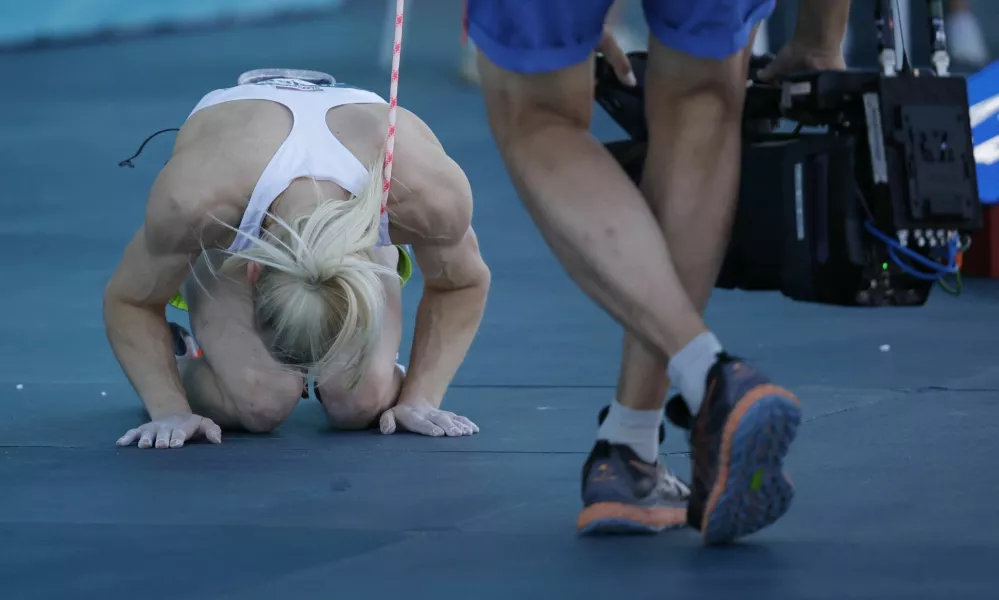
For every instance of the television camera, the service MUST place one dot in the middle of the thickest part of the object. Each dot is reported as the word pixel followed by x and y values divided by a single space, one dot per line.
pixel 858 187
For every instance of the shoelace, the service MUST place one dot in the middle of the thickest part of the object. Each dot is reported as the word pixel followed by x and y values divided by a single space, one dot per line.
pixel 671 485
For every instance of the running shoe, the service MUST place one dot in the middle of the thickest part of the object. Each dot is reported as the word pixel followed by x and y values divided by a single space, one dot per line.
pixel 622 494
pixel 738 439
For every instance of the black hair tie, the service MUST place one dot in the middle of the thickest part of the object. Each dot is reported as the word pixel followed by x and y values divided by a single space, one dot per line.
pixel 128 161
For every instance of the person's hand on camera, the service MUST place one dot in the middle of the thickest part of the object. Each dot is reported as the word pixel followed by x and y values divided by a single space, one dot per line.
pixel 817 42
pixel 798 57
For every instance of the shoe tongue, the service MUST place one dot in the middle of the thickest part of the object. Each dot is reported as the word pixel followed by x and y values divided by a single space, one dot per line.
pixel 678 413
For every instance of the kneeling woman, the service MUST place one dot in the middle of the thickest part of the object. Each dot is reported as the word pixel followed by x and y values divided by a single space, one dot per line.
pixel 271 227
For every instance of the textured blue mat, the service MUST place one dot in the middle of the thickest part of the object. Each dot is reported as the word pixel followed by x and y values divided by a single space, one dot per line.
pixel 896 480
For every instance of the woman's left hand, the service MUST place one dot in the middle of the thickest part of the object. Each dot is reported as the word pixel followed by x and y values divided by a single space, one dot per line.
pixel 419 416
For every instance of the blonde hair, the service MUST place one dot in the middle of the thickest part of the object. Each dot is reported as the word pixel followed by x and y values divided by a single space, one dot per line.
pixel 320 295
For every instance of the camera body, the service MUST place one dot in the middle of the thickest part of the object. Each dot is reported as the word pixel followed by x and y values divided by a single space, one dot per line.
pixel 892 153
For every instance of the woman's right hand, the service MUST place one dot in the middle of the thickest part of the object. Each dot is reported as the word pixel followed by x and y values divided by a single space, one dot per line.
pixel 797 57
pixel 172 432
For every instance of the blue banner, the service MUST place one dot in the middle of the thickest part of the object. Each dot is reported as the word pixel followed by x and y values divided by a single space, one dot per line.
pixel 983 98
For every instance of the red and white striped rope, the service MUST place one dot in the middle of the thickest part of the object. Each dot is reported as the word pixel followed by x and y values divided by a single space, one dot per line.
pixel 393 105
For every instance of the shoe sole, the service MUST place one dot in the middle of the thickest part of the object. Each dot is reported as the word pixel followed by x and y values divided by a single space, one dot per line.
pixel 616 518
pixel 752 491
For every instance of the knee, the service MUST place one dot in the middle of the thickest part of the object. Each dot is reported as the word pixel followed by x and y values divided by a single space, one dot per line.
pixel 361 407
pixel 692 90
pixel 264 400
pixel 352 413
pixel 522 106
pixel 706 115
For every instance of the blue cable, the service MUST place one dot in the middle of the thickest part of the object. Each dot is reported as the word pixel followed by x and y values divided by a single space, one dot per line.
pixel 910 271
pixel 895 247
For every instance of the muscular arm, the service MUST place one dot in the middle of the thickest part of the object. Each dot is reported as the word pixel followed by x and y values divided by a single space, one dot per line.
pixel 152 269
pixel 134 303
pixel 456 283
pixel 431 208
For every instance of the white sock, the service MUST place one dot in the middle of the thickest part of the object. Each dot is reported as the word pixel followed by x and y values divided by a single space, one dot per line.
pixel 637 429
pixel 688 370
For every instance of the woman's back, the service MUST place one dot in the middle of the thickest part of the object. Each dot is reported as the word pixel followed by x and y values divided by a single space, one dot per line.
pixel 236 159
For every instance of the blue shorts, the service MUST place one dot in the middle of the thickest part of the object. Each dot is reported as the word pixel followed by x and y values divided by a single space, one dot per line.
pixel 538 36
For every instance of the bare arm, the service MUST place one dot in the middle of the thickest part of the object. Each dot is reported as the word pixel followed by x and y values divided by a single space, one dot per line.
pixel 431 209
pixel 152 270
pixel 134 303
pixel 456 284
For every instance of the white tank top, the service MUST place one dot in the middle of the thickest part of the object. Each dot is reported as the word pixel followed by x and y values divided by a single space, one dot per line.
pixel 310 150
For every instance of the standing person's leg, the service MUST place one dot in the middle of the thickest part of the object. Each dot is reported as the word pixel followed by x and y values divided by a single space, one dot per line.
pixel 695 88
pixel 694 111
pixel 538 86
pixel 537 78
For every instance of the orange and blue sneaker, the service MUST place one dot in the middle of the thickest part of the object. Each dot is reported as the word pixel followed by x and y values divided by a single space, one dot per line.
pixel 622 494
pixel 738 439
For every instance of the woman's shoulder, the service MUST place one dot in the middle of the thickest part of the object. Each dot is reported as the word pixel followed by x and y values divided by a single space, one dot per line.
pixel 192 204
pixel 219 157
pixel 431 198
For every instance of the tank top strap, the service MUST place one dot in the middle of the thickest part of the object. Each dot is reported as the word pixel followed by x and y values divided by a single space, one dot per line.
pixel 309 150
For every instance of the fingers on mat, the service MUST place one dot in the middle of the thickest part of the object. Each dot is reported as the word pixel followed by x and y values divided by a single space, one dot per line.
pixel 211 431
pixel 444 422
pixel 177 438
pixel 426 427
pixel 386 424
pixel 463 427
pixel 472 427
pixel 163 438
pixel 146 438
pixel 129 438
